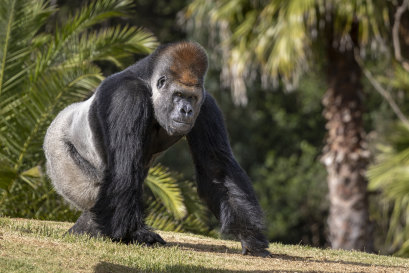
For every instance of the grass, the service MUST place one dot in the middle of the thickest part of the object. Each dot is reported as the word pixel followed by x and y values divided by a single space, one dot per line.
pixel 40 246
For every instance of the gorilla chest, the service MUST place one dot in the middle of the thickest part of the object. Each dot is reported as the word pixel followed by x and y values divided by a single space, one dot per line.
pixel 159 141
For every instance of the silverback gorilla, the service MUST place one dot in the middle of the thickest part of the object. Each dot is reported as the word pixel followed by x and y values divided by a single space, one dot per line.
pixel 99 151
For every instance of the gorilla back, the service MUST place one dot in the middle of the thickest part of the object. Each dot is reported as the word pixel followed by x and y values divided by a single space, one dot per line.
pixel 99 151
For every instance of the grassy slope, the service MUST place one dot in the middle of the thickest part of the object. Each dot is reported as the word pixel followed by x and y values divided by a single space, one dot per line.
pixel 39 246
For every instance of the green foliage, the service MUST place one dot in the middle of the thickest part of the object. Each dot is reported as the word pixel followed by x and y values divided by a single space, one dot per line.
pixel 173 203
pixel 292 193
pixel 277 36
pixel 286 136
pixel 163 187
pixel 390 176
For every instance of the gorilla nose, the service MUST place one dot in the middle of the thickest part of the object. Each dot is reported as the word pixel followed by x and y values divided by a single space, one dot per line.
pixel 186 110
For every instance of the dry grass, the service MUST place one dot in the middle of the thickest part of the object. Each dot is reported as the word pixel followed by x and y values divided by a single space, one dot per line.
pixel 39 246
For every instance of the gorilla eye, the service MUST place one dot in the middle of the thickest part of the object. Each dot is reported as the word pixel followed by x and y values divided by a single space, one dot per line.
pixel 178 94
pixel 161 82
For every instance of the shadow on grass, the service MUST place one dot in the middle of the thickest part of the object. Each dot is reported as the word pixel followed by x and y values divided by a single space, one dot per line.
pixel 104 267
pixel 204 247
pixel 224 249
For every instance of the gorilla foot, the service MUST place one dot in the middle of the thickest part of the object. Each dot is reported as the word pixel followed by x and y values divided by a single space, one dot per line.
pixel 146 237
pixel 85 225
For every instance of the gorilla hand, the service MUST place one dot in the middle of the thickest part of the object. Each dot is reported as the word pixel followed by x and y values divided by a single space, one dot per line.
pixel 254 245
pixel 145 236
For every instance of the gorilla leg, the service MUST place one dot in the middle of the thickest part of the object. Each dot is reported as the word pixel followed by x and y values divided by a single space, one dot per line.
pixel 86 224
pixel 124 119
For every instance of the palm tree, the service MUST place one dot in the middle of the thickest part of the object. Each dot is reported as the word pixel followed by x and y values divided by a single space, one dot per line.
pixel 278 37
pixel 345 154
pixel 41 72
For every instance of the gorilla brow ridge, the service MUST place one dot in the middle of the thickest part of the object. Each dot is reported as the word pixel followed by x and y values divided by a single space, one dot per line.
pixel 190 84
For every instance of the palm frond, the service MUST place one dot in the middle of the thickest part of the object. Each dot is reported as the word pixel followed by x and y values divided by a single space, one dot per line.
pixel 271 35
pixel 164 187
pixel 372 17
pixel 20 21
pixel 88 16
pixel 25 128
pixel 159 218
pixel 122 41
pixel 94 13
pixel 7 175
pixel 66 41
pixel 276 36
pixel 196 220
pixel 390 176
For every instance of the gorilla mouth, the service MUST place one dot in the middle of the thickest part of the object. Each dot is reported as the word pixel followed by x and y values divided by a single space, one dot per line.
pixel 178 127
pixel 182 122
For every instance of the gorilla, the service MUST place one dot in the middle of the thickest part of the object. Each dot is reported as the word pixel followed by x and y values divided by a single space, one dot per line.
pixel 99 151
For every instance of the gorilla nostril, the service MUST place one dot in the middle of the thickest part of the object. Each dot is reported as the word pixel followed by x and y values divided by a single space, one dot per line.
pixel 186 110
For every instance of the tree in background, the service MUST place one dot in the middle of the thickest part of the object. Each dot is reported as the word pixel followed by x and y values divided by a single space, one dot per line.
pixel 44 68
pixel 346 152
pixel 277 38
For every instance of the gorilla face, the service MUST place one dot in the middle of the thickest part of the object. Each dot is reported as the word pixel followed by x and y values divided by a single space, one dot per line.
pixel 176 104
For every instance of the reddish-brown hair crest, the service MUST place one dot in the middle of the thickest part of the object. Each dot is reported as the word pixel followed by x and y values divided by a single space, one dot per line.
pixel 188 62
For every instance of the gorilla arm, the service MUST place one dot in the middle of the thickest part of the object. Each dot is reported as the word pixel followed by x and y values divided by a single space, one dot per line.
pixel 223 184
pixel 124 114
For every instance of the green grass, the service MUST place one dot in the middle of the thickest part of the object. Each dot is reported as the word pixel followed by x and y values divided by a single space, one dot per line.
pixel 40 246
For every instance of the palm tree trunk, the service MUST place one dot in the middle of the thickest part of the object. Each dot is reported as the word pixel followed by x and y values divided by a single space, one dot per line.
pixel 345 154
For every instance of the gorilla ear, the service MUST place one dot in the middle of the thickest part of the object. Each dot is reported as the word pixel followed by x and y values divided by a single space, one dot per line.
pixel 161 82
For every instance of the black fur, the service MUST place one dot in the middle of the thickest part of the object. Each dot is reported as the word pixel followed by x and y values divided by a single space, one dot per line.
pixel 124 116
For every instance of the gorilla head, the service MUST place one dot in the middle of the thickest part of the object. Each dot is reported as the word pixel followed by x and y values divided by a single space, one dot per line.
pixel 177 86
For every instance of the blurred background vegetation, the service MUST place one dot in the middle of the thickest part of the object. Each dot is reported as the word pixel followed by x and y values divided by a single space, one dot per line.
pixel 271 67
